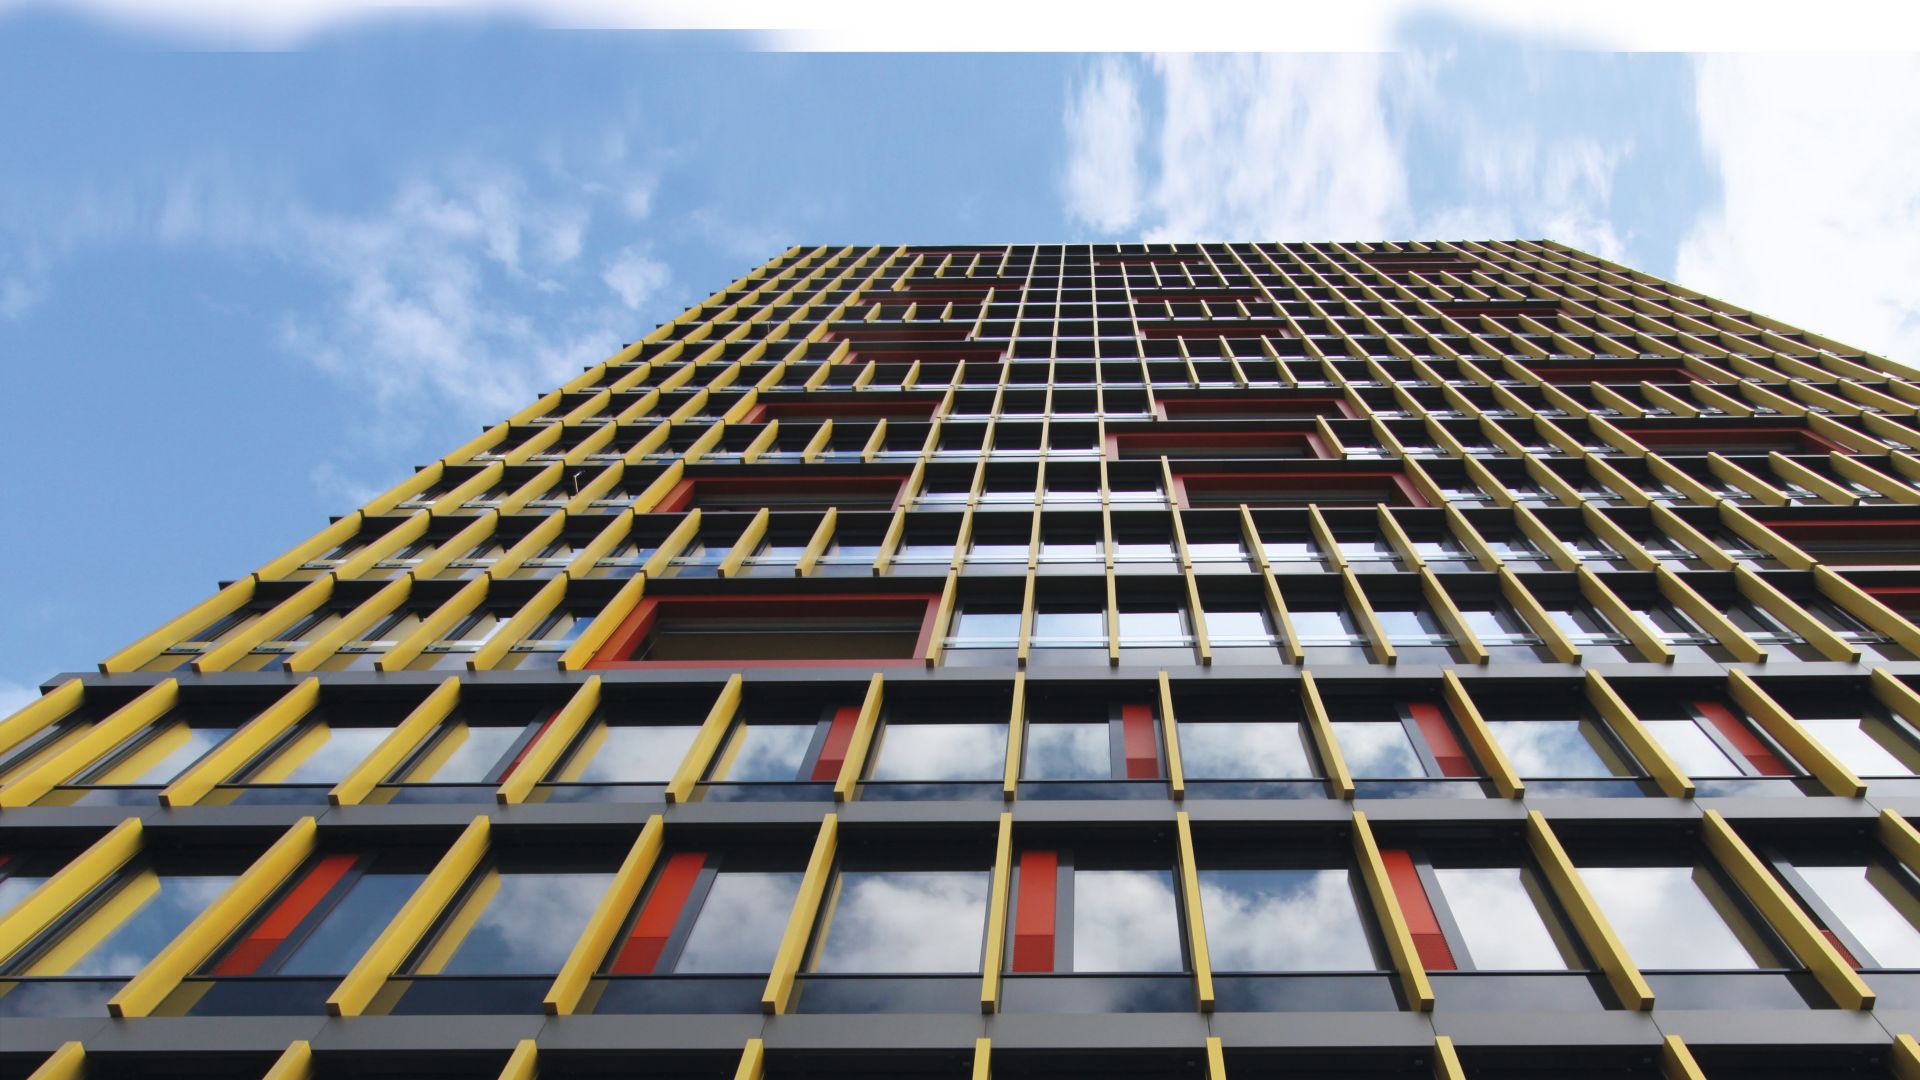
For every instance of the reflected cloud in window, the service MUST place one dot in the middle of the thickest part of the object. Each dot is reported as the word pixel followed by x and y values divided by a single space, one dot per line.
pixel 889 921
pixel 1284 920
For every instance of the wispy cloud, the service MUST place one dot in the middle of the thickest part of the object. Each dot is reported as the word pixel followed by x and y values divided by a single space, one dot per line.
pixel 1104 132
pixel 1819 218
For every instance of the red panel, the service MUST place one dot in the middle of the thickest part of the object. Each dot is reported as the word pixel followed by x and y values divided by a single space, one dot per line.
pixel 1033 923
pixel 839 736
pixel 1319 405
pixel 1417 909
pixel 1834 940
pixel 894 410
pixel 1392 488
pixel 1904 599
pixel 1721 437
pixel 1743 739
pixel 633 630
pixel 675 500
pixel 528 745
pixel 1441 740
pixel 1142 748
pixel 246 957
pixel 660 915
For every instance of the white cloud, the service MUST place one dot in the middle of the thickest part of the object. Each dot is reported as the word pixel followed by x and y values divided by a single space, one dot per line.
pixel 634 275
pixel 1104 134
pixel 1819 220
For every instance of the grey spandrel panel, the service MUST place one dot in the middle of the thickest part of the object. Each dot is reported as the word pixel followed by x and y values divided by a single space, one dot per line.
pixel 1776 1027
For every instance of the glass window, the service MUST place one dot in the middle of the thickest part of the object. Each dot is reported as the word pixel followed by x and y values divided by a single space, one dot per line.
pixel 987 626
pixel 1245 750
pixel 319 754
pixel 159 756
pixel 120 931
pixel 1068 752
pixel 740 923
pixel 1556 748
pixel 764 752
pixel 1325 627
pixel 1870 745
pixel 514 922
pixel 1284 920
pixel 1676 917
pixel 1377 750
pixel 1144 626
pixel 1249 624
pixel 349 928
pixel 1502 915
pixel 464 754
pixel 1125 920
pixel 936 752
pixel 1693 751
pixel 1875 905
pixel 629 753
pixel 1064 625
pixel 888 921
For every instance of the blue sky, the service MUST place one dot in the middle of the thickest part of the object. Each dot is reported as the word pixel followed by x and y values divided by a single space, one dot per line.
pixel 242 290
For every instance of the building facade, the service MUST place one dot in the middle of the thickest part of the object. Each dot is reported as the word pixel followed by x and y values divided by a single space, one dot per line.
pixel 1356 661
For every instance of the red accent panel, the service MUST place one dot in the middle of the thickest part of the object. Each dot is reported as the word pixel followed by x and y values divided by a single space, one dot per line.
pixel 1142 749
pixel 1743 739
pixel 1773 438
pixel 755 415
pixel 1392 488
pixel 1033 923
pixel 675 500
pixel 1246 407
pixel 1834 940
pixel 528 745
pixel 633 630
pixel 893 410
pixel 246 957
pixel 1190 441
pixel 833 755
pixel 1441 740
pixel 660 915
pixel 1904 599
pixel 1418 911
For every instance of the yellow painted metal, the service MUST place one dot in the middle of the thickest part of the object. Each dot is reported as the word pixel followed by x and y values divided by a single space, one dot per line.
pixel 69 1062
pixel 352 627
pixel 1711 619
pixel 1321 727
pixel 890 542
pixel 1203 644
pixel 524 622
pixel 1322 534
pixel 587 559
pixel 983 1046
pixel 746 545
pixel 1739 477
pixel 224 760
pixel 393 749
pixel 1895 695
pixel 1860 472
pixel 294 1063
pixel 540 757
pixel 456 497
pixel 1639 741
pixel 822 438
pixel 40 713
pixel 817 546
pixel 1742 524
pixel 806 905
pixel 761 443
pixel 1789 469
pixel 1456 624
pixel 406 929
pixel 533 444
pixel 864 726
pixel 1782 728
pixel 103 736
pixel 753 1061
pixel 1869 610
pixel 205 613
pixel 1016 738
pixel 1844 435
pixel 385 502
pixel 1545 539
pixel 706 442
pixel 1377 642
pixel 1900 838
pixel 529 546
pixel 458 546
pixel 1592 926
pixel 1624 618
pixel 58 894
pixel 1170 732
pixel 1618 538
pixel 1479 736
pixel 1906 1057
pixel 523 1063
pixel 1195 916
pixel 1470 538
pixel 1788 919
pixel 312 547
pixel 651 495
pixel 1446 1060
pixel 1798 619
pixel 542 484
pixel 576 974
pixel 1676 1061
pixel 1398 539
pixel 942 616
pixel 1393 924
pixel 436 625
pixel 997 901
pixel 266 626
pixel 581 652
pixel 1216 1059
pixel 192 946
pixel 706 741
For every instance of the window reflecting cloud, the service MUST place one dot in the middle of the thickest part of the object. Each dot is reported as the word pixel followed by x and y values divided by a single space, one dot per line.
pixel 892 921
pixel 631 754
pixel 528 925
pixel 134 924
pixel 339 749
pixel 739 926
pixel 1875 906
pixel 1068 752
pixel 1674 917
pixel 1549 748
pixel 1693 751
pixel 1500 914
pixel 1125 920
pixel 1244 750
pixel 1868 746
pixel 1377 750
pixel 1284 920
pixel 934 752
pixel 352 925
pixel 467 755
pixel 765 752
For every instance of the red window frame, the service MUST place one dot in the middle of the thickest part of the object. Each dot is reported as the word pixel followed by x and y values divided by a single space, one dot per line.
pixel 1212 329
pixel 1285 408
pixel 640 622
pixel 1711 438
pixel 910 411
pixel 687 491
pixel 1304 482
pixel 1147 440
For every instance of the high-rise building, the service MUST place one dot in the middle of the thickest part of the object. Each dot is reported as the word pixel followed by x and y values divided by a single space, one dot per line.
pixel 1258 660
